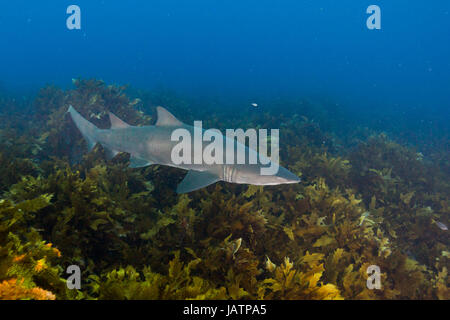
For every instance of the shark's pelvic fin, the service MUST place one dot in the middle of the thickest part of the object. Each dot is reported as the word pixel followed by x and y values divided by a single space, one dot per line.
pixel 165 118
pixel 87 129
pixel 116 122
pixel 136 162
pixel 196 180
pixel 110 153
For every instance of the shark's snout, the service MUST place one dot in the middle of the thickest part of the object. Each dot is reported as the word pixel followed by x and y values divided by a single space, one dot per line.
pixel 285 176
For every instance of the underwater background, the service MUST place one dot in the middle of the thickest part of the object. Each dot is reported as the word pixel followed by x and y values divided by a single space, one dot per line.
pixel 363 117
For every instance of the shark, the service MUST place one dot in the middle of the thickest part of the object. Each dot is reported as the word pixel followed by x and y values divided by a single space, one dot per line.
pixel 153 144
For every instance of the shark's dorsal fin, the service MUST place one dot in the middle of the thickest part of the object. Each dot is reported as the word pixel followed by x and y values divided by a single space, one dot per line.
pixel 165 118
pixel 117 123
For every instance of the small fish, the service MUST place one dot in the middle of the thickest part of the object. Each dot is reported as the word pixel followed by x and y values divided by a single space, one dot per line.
pixel 254 105
pixel 441 226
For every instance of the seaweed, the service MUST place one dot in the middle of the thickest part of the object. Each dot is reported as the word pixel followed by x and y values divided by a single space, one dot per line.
pixel 28 265
pixel 288 283
pixel 177 284
pixel 365 199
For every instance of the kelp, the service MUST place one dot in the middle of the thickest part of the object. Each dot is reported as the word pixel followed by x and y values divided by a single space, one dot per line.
pixel 288 283
pixel 177 284
pixel 28 265
pixel 374 203
pixel 16 158
pixel 85 208
pixel 15 290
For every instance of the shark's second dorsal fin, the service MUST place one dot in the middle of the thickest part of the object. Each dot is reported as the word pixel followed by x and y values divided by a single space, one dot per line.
pixel 165 118
pixel 117 123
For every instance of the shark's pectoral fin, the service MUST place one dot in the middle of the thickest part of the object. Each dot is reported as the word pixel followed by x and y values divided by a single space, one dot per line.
pixel 196 180
pixel 136 162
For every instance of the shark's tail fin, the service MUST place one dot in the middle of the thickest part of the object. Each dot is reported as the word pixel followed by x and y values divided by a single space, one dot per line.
pixel 87 129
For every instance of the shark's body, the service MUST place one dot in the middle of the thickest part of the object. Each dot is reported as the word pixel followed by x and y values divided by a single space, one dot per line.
pixel 149 145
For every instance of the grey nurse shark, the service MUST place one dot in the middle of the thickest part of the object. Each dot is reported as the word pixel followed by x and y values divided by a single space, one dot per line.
pixel 149 145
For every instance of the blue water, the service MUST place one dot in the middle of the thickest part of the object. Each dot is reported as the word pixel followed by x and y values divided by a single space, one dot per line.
pixel 244 49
